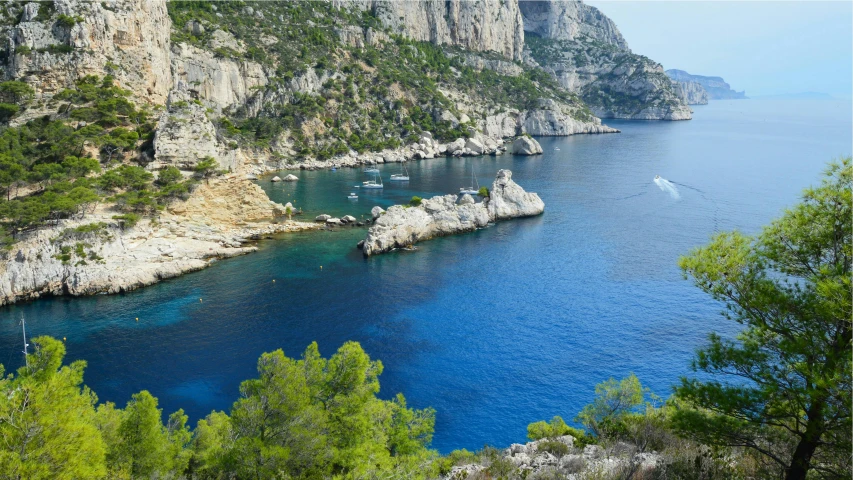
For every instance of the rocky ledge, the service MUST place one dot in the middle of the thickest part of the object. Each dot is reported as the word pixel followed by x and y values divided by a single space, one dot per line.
pixel 98 254
pixel 560 458
pixel 403 226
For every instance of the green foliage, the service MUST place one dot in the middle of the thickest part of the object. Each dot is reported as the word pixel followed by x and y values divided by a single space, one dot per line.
pixel 206 167
pixel 14 91
pixel 47 419
pixel 415 201
pixel 557 428
pixel 782 387
pixel 483 192
pixel 308 418
pixel 614 401
pixel 67 21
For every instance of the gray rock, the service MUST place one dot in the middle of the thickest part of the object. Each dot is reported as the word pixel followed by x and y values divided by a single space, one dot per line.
pixel 526 146
pixel 195 27
pixel 475 146
pixel 360 244
pixel 348 219
pixel 322 218
pixel 276 179
pixel 466 200
pixel 31 11
pixel 376 212
pixel 333 221
pixel 290 178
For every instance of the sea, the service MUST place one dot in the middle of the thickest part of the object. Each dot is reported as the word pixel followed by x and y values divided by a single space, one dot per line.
pixel 493 329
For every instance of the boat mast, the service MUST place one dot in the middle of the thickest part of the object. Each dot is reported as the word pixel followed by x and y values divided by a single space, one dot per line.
pixel 24 330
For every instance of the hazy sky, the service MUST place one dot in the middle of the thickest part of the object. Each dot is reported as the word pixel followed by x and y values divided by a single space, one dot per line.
pixel 763 47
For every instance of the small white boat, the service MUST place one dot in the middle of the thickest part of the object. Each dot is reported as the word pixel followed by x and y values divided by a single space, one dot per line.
pixel 556 148
pixel 472 190
pixel 371 170
pixel 403 176
pixel 373 184
pixel 657 177
pixel 352 196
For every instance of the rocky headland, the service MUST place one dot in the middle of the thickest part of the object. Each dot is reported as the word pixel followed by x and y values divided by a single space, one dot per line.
pixel 402 226
pixel 99 254
pixel 716 87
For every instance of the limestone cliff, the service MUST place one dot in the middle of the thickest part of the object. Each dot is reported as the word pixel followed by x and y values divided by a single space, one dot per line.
pixel 481 26
pixel 51 44
pixel 716 87
pixel 690 92
pixel 585 52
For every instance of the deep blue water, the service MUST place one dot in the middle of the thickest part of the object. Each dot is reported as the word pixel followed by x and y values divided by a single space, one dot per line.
pixel 495 329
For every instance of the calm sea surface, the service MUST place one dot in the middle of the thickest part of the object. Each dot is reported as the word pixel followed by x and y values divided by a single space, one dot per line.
pixel 494 329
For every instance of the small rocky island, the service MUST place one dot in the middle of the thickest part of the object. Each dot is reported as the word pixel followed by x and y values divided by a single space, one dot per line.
pixel 404 225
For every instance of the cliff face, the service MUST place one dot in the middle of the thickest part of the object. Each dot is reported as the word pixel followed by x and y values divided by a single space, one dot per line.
pixel 585 52
pixel 569 20
pixel 716 87
pixel 494 26
pixel 127 38
pixel 691 93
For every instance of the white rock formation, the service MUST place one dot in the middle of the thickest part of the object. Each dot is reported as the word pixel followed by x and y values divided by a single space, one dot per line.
pixel 402 226
pixel 526 146
pixel 291 178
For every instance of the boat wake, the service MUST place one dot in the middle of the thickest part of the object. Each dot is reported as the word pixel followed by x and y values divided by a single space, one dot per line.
pixel 667 187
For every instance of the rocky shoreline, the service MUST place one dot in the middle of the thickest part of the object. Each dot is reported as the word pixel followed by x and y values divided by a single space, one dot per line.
pixel 95 255
pixel 401 226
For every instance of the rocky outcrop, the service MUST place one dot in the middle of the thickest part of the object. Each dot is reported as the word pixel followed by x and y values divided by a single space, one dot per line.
pixel 526 146
pixel 127 38
pixel 560 458
pixel 481 26
pixel 217 221
pixel 403 226
pixel 185 136
pixel 569 20
pixel 716 87
pixel 585 52
pixel 551 119
pixel 690 92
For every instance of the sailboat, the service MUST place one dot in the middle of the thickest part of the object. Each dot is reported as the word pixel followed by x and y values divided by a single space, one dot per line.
pixel 371 170
pixel 475 185
pixel 373 183
pixel 403 176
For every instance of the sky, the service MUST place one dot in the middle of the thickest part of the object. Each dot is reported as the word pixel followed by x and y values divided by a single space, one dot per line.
pixel 763 47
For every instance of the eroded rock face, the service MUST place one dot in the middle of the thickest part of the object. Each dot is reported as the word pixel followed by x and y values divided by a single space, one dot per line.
pixel 185 136
pixel 133 34
pixel 691 93
pixel 483 26
pixel 403 226
pixel 551 119
pixel 569 20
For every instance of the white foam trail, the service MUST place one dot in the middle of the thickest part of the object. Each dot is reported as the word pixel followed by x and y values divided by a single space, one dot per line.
pixel 667 186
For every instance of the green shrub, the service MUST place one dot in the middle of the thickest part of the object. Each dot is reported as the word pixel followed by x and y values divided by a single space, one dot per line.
pixel 483 192
pixel 415 201
pixel 554 447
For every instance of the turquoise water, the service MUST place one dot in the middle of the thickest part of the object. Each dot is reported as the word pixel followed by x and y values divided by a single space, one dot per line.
pixel 495 329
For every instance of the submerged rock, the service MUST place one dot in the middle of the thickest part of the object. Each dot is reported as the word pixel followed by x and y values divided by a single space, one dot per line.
pixel 526 146
pixel 403 226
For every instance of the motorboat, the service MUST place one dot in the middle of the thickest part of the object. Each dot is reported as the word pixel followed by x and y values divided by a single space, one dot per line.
pixel 352 196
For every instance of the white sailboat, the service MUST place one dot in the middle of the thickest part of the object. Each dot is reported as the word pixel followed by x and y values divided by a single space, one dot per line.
pixel 403 176
pixel 475 185
pixel 371 170
pixel 373 183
